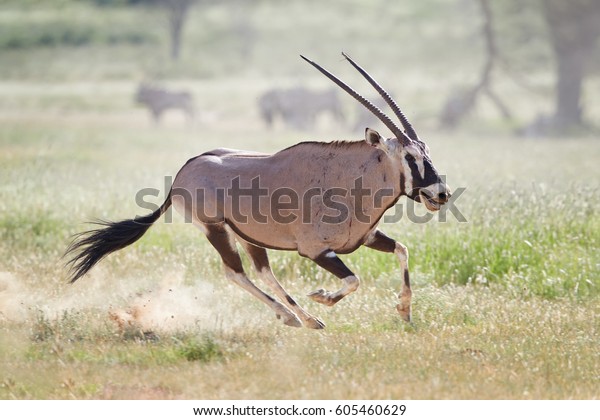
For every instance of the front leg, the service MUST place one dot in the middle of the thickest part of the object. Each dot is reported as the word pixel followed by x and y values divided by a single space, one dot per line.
pixel 332 263
pixel 381 242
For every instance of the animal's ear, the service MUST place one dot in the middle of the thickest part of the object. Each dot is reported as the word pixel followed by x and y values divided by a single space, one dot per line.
pixel 373 138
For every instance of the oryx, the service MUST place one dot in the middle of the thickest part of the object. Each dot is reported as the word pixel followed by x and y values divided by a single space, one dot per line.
pixel 319 199
pixel 299 107
pixel 159 100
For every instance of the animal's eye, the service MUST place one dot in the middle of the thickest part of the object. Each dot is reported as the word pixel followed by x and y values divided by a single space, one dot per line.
pixel 410 157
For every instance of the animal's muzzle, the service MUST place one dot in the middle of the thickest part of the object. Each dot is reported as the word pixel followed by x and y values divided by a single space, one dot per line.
pixel 434 196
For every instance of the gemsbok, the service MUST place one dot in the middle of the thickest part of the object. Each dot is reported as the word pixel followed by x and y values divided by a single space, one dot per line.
pixel 319 199
pixel 158 100
pixel 299 107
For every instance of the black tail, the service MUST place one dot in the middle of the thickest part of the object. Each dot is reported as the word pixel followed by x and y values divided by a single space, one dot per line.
pixel 93 245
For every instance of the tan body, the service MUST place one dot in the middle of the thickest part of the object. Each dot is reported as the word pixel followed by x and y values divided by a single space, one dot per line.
pixel 306 168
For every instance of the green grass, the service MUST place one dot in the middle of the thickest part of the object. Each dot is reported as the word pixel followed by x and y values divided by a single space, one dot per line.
pixel 531 244
pixel 467 343
pixel 506 305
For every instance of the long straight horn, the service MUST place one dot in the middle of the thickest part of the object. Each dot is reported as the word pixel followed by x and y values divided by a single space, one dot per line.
pixel 365 102
pixel 407 126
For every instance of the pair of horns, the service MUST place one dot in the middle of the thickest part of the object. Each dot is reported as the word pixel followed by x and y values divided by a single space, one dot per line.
pixel 400 135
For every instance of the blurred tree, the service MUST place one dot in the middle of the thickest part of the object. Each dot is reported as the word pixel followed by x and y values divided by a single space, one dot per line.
pixel 574 28
pixel 462 101
pixel 177 13
pixel 520 37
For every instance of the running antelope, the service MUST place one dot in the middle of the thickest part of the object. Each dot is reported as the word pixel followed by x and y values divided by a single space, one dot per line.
pixel 319 199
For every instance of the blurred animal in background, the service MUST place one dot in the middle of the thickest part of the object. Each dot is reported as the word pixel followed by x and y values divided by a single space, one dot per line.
pixel 158 100
pixel 299 107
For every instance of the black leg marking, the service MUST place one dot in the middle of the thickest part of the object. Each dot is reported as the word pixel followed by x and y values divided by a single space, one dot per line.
pixel 382 242
pixel 258 256
pixel 332 263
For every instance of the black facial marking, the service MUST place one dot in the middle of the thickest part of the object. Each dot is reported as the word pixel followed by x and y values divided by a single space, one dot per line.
pixel 431 176
pixel 290 300
pixel 402 183
pixel 414 172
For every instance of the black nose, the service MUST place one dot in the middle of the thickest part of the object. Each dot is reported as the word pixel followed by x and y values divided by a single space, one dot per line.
pixel 443 196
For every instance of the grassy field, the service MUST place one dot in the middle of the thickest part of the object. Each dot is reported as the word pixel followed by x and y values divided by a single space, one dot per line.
pixel 506 305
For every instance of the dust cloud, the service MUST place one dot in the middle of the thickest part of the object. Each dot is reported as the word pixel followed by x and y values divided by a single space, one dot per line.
pixel 172 305
pixel 14 298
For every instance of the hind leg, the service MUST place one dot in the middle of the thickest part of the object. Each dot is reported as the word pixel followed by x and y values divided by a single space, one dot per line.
pixel 260 260
pixel 224 243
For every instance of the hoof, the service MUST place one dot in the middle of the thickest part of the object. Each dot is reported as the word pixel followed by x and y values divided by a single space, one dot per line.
pixel 314 323
pixel 322 297
pixel 404 312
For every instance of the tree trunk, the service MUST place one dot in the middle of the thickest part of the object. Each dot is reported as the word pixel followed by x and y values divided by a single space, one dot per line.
pixel 573 27
pixel 570 74
pixel 176 24
pixel 460 103
pixel 178 11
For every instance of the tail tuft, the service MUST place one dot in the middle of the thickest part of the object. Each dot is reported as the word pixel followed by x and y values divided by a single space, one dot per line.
pixel 93 245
